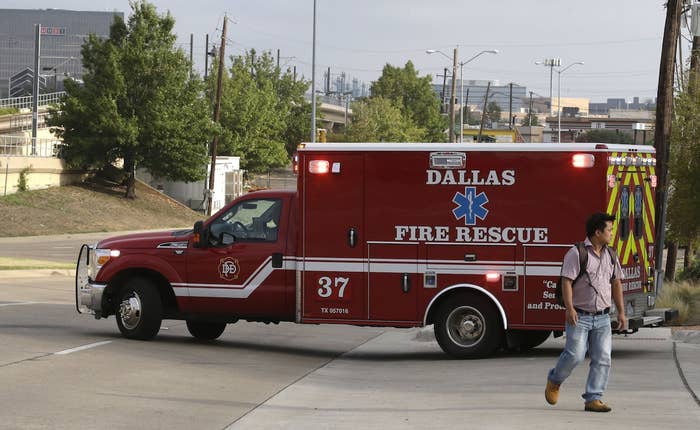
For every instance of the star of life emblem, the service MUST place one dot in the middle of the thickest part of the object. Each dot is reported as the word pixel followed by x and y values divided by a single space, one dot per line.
pixel 470 206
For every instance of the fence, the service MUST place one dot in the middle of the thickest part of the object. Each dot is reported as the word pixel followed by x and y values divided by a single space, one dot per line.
pixel 26 101
pixel 27 147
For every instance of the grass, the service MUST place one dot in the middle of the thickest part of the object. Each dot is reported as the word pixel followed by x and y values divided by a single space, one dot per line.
pixel 684 296
pixel 90 207
pixel 27 264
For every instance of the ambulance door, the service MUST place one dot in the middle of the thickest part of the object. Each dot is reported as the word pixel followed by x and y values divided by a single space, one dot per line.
pixel 542 271
pixel 394 283
pixel 334 280
pixel 631 201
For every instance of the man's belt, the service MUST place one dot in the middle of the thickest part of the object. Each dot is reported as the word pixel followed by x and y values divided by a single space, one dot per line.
pixel 582 312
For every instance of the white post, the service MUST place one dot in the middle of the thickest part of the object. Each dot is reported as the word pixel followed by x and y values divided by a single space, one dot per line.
pixel 559 106
pixel 461 104
pixel 313 81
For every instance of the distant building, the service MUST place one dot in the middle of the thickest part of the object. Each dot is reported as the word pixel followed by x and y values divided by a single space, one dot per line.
pixel 63 33
pixel 619 103
pixel 475 91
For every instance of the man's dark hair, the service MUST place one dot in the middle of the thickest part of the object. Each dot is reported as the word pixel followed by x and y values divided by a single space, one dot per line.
pixel 597 222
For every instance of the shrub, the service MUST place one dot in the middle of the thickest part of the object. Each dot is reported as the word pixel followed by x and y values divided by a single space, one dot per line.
pixel 692 273
pixel 22 181
pixel 684 296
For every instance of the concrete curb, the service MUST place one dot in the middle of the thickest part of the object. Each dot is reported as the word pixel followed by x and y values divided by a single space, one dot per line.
pixel 687 336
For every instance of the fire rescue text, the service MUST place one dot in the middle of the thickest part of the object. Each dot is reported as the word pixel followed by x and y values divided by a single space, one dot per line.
pixel 472 234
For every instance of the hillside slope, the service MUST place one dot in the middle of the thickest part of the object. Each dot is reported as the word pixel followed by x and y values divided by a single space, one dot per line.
pixel 89 207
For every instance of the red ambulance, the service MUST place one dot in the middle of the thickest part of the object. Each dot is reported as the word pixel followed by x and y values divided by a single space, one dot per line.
pixel 467 237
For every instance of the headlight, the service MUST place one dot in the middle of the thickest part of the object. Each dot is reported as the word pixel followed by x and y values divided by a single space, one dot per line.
pixel 102 256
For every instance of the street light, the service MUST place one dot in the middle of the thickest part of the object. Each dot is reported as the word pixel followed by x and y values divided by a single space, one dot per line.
pixel 461 83
pixel 559 72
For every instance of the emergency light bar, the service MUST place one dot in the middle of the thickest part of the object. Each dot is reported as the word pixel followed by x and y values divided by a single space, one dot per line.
pixel 583 160
pixel 631 161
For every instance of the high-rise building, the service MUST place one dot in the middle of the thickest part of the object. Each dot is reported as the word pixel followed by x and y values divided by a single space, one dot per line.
pixel 62 36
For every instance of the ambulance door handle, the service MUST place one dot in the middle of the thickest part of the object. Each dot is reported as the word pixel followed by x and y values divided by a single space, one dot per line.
pixel 352 237
pixel 406 282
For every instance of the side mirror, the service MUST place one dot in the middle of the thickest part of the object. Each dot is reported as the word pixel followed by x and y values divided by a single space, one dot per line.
pixel 199 239
pixel 227 238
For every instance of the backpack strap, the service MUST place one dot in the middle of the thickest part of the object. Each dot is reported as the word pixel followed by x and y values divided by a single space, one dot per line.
pixel 582 260
pixel 614 258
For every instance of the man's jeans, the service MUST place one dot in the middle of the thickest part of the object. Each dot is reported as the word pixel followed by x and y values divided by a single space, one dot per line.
pixel 592 334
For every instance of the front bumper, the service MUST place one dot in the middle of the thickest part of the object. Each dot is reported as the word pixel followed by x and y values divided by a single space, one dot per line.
pixel 88 295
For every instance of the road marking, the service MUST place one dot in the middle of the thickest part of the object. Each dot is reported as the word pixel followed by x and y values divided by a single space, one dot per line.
pixel 81 348
pixel 16 304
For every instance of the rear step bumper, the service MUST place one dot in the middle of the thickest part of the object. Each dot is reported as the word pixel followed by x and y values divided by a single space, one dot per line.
pixel 651 317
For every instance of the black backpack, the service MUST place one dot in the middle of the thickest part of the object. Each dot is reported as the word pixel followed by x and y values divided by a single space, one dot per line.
pixel 583 265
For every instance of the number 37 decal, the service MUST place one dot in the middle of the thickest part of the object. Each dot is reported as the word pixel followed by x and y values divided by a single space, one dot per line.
pixel 332 287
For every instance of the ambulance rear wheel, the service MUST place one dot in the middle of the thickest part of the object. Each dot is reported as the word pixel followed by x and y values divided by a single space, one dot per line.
pixel 205 330
pixel 139 310
pixel 468 326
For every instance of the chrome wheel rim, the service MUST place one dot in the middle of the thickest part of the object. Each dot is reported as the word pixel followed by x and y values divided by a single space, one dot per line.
pixel 466 326
pixel 130 311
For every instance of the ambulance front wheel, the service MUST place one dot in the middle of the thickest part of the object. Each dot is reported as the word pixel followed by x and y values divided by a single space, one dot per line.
pixel 139 310
pixel 468 326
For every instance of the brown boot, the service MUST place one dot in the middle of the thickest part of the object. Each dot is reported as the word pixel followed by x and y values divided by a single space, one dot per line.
pixel 551 393
pixel 597 406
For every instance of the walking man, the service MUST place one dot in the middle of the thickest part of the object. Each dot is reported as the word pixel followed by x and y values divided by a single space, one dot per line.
pixel 587 296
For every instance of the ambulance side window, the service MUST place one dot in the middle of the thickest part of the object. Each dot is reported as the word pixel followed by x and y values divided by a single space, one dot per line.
pixel 255 220
pixel 638 212
pixel 624 213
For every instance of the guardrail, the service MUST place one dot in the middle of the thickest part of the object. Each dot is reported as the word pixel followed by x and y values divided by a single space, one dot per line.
pixel 19 146
pixel 25 102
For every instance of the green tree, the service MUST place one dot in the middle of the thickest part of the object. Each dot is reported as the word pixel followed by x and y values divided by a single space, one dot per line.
pixel 684 171
pixel 139 103
pixel 264 115
pixel 415 98
pixel 605 136
pixel 493 112
pixel 531 119
pixel 379 120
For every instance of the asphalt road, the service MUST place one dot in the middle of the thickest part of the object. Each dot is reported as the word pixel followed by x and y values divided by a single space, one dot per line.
pixel 62 370
pixel 59 248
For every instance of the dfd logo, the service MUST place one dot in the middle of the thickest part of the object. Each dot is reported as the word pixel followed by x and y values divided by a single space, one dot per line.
pixel 470 205
pixel 228 268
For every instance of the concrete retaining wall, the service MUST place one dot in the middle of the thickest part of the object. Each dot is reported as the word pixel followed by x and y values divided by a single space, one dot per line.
pixel 44 172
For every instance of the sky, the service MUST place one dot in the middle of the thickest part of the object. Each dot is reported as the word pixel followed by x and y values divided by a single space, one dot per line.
pixel 619 41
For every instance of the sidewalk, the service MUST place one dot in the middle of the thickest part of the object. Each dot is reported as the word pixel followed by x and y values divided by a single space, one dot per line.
pixel 394 381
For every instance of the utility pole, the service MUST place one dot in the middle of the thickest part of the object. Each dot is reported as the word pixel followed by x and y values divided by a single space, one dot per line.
pixel 452 96
pixel 444 83
pixel 206 57
pixel 278 59
pixel 662 134
pixel 483 111
pixel 510 107
pixel 217 113
pixel 529 114
pixel 35 85
pixel 695 52
pixel 191 49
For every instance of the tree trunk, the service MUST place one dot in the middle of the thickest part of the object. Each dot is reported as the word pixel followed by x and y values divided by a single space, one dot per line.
pixel 671 257
pixel 130 182
pixel 688 255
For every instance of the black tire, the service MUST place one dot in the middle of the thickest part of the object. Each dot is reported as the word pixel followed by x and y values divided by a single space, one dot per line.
pixel 468 326
pixel 524 340
pixel 205 330
pixel 534 338
pixel 139 310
